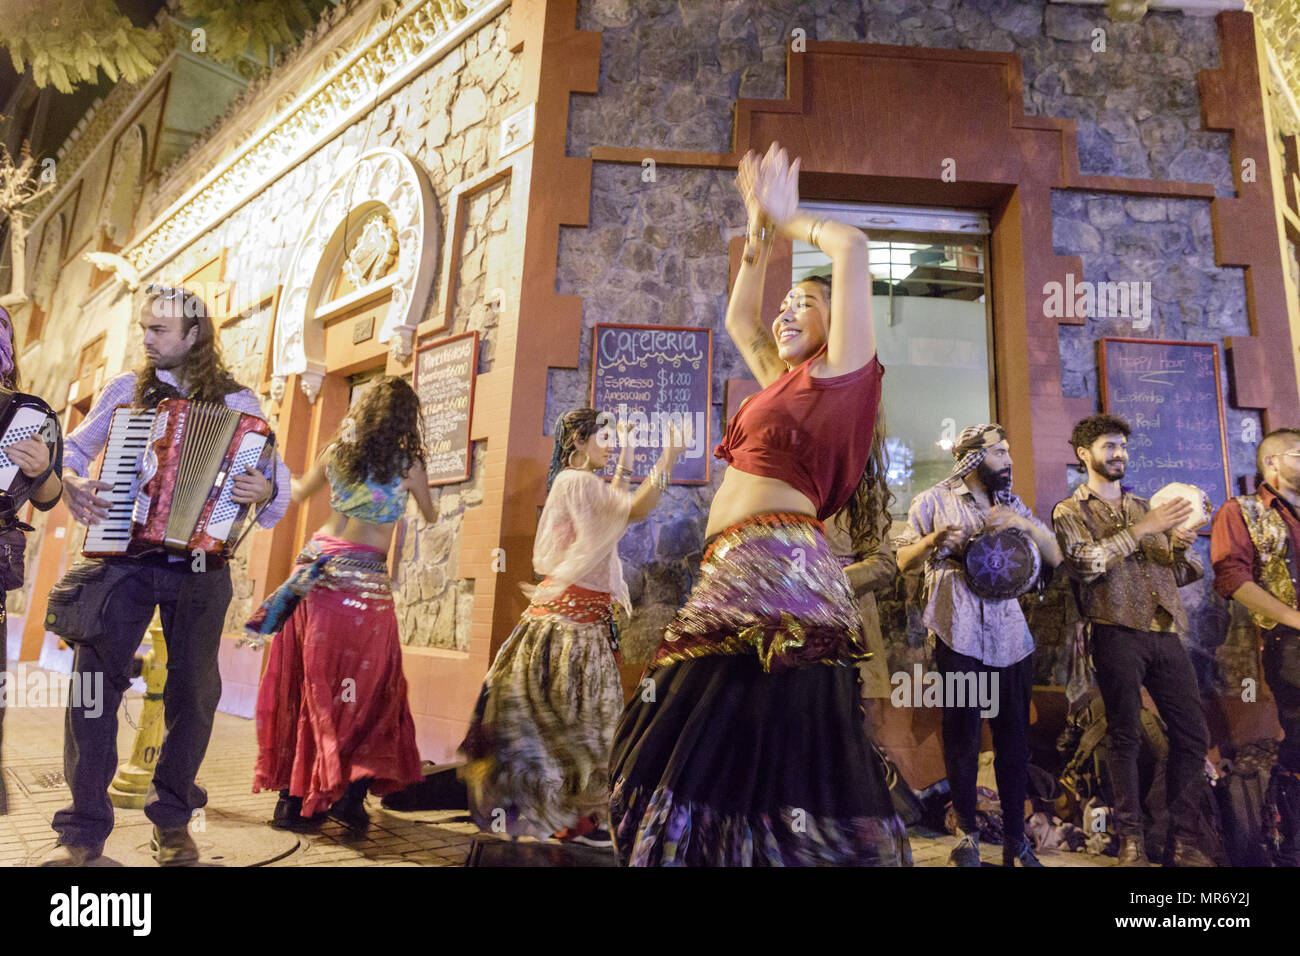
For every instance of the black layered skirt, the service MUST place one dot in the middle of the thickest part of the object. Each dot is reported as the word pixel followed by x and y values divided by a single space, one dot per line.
pixel 745 744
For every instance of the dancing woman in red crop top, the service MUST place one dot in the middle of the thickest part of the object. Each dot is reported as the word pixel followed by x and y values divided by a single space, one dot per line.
pixel 746 744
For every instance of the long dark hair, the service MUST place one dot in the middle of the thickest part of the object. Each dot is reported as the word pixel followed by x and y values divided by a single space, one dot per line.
pixel 571 429
pixel 14 379
pixel 872 500
pixel 203 369
pixel 384 439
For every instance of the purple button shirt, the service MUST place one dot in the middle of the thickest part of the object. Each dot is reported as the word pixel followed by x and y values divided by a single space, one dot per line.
pixel 87 440
pixel 993 632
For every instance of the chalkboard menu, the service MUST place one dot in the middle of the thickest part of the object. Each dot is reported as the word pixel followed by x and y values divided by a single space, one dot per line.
pixel 648 375
pixel 444 380
pixel 1169 393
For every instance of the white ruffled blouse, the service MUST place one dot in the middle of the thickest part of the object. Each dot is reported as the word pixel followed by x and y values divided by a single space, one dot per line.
pixel 577 537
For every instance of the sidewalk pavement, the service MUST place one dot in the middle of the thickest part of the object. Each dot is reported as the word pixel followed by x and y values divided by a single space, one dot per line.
pixel 234 831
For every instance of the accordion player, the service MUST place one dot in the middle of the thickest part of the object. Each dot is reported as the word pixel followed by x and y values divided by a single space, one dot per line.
pixel 172 470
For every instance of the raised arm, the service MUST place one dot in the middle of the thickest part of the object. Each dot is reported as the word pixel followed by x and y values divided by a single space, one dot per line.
pixel 417 483
pixel 851 338
pixel 313 480
pixel 744 321
pixel 647 496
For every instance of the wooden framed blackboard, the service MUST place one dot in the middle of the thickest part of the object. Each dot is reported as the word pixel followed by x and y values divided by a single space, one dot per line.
pixel 445 373
pixel 1171 396
pixel 647 374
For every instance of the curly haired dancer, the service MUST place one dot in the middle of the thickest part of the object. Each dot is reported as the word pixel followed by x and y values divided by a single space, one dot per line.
pixel 332 715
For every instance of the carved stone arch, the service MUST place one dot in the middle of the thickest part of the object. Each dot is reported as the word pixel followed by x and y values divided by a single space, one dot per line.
pixel 47 263
pixel 384 181
pixel 122 192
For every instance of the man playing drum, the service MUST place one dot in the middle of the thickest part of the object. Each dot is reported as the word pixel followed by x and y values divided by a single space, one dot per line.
pixel 977 634
pixel 1130 560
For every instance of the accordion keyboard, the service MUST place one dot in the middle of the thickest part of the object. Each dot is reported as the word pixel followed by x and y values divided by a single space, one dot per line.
pixel 128 435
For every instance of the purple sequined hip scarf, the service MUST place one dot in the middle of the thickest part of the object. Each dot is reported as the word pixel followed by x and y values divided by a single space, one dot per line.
pixel 769 586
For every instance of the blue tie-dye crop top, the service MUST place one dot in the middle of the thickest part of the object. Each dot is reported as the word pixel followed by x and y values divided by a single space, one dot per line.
pixel 366 501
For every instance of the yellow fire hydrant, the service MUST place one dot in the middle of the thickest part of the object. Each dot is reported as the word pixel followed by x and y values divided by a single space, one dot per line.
pixel 131 785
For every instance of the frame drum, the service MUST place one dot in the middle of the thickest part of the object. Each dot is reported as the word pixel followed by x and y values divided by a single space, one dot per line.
pixel 1194 496
pixel 1002 564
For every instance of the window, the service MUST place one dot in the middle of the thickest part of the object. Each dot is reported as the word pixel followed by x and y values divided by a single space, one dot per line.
pixel 933 331
pixel 361 381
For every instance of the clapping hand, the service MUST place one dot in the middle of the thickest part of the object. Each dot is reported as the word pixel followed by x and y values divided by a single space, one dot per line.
pixel 1167 517
pixel 746 178
pixel 776 187
pixel 624 431
pixel 674 442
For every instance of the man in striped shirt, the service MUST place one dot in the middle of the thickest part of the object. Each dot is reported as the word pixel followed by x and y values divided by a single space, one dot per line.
pixel 181 360
pixel 1129 561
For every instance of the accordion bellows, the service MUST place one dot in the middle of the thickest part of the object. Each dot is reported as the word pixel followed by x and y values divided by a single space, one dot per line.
pixel 172 470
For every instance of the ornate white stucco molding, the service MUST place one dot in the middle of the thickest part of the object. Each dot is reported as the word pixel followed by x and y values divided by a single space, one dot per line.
pixel 383 180
pixel 128 163
pixel 397 49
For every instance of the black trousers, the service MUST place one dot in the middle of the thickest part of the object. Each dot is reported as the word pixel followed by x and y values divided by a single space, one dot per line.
pixel 961 739
pixel 1282 672
pixel 192 605
pixel 1126 660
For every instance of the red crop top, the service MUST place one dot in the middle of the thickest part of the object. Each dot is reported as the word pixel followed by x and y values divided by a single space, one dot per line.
pixel 812 433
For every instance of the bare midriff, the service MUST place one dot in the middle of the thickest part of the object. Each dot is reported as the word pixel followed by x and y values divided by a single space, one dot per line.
pixel 361 532
pixel 742 495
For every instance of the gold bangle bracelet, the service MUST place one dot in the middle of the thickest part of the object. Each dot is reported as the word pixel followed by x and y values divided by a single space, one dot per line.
pixel 814 233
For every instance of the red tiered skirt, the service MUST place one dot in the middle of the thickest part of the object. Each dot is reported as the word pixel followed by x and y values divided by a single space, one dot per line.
pixel 332 705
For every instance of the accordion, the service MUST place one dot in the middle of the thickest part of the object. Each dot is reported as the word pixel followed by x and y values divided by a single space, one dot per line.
pixel 172 470
pixel 22 416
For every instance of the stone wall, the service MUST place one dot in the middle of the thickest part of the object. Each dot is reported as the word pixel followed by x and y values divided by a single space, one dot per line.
pixel 656 252
pixel 447 120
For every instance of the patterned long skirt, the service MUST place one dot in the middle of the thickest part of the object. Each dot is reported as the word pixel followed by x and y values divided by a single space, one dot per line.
pixel 538 745
pixel 332 707
pixel 746 745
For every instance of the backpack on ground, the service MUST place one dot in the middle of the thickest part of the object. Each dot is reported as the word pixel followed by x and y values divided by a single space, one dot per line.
pixel 1247 820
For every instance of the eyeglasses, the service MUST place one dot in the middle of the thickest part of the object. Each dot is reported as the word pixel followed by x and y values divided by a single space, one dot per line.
pixel 157 291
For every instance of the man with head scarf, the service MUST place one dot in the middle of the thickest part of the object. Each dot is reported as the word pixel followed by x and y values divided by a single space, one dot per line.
pixel 978 642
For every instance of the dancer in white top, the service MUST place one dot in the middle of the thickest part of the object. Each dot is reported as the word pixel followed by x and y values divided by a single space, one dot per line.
pixel 539 742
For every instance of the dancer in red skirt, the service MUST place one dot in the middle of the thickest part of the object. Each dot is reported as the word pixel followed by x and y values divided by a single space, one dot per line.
pixel 332 716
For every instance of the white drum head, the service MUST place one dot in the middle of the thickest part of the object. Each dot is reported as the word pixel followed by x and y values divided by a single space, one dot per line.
pixel 1194 496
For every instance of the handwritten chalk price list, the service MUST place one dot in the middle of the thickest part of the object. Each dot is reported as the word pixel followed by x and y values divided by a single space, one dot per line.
pixel 1171 396
pixel 647 376
pixel 445 372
